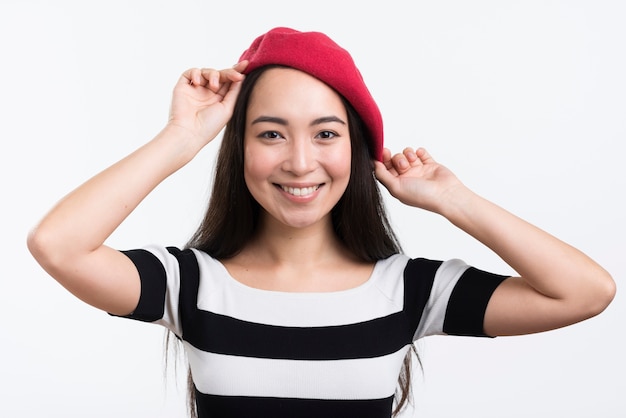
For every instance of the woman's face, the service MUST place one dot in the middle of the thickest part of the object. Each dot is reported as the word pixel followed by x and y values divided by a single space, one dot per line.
pixel 296 148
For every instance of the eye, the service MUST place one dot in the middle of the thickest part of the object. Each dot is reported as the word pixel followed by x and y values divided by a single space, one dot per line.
pixel 327 135
pixel 270 135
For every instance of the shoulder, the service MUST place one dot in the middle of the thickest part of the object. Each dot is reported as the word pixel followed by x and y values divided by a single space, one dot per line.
pixel 412 269
pixel 172 261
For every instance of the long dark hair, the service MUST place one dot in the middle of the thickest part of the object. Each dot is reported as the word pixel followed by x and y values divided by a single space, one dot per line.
pixel 369 235
pixel 230 199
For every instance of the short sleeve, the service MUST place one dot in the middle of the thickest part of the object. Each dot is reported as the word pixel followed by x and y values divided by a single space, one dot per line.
pixel 159 275
pixel 465 314
pixel 458 300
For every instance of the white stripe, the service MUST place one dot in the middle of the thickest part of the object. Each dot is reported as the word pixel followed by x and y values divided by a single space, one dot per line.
pixel 434 314
pixel 380 296
pixel 170 264
pixel 225 375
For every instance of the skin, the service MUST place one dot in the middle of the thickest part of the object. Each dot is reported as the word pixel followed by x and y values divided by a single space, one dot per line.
pixel 70 246
pixel 297 136
pixel 558 285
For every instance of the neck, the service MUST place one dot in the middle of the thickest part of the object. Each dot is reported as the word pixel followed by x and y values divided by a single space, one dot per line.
pixel 286 245
pixel 298 260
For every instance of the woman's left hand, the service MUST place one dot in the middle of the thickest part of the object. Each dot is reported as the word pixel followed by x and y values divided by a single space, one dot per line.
pixel 416 179
pixel 558 284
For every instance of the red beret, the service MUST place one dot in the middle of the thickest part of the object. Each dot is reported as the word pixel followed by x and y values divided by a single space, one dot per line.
pixel 316 54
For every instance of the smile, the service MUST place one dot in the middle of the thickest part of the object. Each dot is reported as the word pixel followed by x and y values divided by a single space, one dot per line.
pixel 300 191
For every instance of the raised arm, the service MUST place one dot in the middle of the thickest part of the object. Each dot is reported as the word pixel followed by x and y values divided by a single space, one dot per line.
pixel 559 285
pixel 69 241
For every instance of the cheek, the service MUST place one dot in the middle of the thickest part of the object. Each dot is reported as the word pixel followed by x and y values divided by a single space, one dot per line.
pixel 251 170
pixel 339 162
pixel 257 168
pixel 252 161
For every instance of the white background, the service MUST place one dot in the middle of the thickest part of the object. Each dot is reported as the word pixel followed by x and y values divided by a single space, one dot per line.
pixel 524 100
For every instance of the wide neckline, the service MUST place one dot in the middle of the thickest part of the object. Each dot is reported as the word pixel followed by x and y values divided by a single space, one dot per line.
pixel 363 286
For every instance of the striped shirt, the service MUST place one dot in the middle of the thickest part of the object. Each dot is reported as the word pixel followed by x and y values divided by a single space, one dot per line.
pixel 256 352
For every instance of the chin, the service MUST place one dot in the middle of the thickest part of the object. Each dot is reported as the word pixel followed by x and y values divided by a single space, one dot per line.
pixel 303 222
pixel 299 224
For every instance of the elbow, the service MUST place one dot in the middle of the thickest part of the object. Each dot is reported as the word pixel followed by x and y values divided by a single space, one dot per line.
pixel 35 243
pixel 41 245
pixel 603 293
pixel 610 289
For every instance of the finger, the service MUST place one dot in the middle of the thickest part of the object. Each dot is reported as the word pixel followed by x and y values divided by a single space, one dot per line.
pixel 224 88
pixel 210 78
pixel 230 96
pixel 387 158
pixel 411 156
pixel 229 75
pixel 197 76
pixel 424 156
pixel 188 76
pixel 400 163
pixel 383 174
pixel 387 163
pixel 218 81
pixel 241 66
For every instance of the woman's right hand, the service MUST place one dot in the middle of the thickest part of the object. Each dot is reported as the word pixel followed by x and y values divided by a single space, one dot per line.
pixel 203 100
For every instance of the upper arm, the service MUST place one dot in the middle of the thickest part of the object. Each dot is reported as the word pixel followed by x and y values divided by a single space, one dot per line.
pixel 105 278
pixel 516 308
pixel 111 282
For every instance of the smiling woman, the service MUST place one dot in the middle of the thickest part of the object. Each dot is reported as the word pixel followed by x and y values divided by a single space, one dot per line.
pixel 293 297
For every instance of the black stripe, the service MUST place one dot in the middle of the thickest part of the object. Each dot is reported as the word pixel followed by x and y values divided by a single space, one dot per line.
pixel 468 302
pixel 419 276
pixel 232 336
pixel 189 284
pixel 227 335
pixel 245 407
pixel 153 286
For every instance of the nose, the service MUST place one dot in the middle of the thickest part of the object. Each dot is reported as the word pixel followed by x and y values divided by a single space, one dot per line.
pixel 300 158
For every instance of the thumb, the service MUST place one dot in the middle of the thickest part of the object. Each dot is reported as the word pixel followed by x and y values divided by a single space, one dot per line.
pixel 231 95
pixel 382 173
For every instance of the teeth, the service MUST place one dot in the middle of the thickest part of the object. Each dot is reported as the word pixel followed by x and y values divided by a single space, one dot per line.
pixel 296 191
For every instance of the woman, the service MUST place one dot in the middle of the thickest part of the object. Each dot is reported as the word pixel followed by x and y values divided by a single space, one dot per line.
pixel 293 297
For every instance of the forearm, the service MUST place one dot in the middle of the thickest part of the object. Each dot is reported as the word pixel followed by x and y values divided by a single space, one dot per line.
pixel 550 266
pixel 558 284
pixel 86 217
pixel 69 241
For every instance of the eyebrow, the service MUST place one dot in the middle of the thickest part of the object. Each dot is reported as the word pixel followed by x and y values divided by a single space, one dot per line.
pixel 281 121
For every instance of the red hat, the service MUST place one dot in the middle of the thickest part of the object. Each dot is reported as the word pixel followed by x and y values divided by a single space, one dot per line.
pixel 316 54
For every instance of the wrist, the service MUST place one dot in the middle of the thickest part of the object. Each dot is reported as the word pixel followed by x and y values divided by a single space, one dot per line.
pixel 458 203
pixel 183 143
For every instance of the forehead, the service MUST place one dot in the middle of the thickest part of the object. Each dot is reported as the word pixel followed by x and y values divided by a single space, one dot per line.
pixel 287 91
